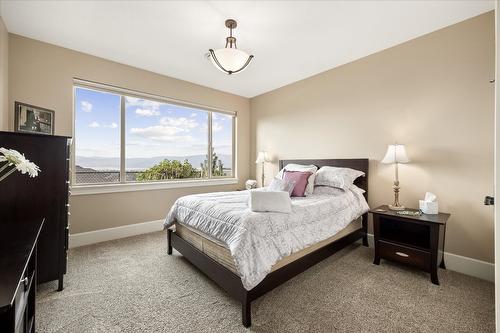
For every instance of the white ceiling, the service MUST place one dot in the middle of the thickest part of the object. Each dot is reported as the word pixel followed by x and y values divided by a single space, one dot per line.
pixel 291 40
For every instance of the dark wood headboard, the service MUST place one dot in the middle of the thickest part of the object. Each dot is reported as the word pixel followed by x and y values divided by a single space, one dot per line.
pixel 360 164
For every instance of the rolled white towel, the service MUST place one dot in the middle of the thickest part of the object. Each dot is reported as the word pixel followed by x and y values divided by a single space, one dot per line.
pixel 272 201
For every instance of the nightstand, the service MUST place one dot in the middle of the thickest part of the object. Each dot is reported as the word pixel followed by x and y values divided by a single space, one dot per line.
pixel 413 240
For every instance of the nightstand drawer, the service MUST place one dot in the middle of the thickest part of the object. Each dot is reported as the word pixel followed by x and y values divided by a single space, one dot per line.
pixel 405 255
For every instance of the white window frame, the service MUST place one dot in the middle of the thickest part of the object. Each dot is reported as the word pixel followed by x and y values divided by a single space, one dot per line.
pixel 123 185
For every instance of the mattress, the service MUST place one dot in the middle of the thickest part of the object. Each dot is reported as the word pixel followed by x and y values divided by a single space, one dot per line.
pixel 257 241
pixel 221 253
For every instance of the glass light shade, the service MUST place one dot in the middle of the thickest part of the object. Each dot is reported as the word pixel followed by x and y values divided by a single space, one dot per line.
pixel 395 154
pixel 231 59
pixel 262 157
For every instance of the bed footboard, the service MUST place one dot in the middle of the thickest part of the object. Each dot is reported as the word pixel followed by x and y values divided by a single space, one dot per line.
pixel 169 241
pixel 231 282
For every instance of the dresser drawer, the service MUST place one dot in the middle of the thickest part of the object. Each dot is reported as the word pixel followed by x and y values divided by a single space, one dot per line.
pixel 405 255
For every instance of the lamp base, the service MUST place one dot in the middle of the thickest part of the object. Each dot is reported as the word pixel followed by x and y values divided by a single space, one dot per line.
pixel 392 207
pixel 396 205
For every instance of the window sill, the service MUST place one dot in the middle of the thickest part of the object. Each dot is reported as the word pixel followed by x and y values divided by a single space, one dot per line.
pixel 131 187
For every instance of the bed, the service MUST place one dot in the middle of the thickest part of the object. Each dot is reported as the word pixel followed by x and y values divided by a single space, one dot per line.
pixel 249 254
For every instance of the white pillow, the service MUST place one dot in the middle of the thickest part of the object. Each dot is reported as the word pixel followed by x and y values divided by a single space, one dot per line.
pixel 264 201
pixel 318 190
pixel 337 177
pixel 281 185
pixel 303 168
pixel 328 190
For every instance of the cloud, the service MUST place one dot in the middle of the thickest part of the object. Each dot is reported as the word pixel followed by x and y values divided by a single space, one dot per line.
pixel 221 117
pixel 182 123
pixel 112 125
pixel 147 112
pixel 216 127
pixel 162 133
pixel 94 124
pixel 86 106
pixel 142 144
pixel 194 114
pixel 142 103
pixel 170 129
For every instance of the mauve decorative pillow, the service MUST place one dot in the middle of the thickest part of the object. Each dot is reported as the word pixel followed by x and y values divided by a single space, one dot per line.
pixel 281 185
pixel 300 178
pixel 303 168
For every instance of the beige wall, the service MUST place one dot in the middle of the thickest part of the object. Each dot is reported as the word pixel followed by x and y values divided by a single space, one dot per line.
pixel 42 74
pixel 432 94
pixel 497 162
pixel 4 76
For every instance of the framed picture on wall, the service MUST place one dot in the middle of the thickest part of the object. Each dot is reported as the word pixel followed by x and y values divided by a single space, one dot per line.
pixel 33 119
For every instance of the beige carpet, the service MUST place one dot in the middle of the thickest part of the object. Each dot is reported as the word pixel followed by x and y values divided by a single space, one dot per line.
pixel 132 285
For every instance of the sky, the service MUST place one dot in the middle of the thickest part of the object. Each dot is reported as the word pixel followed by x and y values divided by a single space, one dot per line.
pixel 152 128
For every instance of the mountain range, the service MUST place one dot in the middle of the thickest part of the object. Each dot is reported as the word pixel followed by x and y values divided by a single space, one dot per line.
pixel 112 163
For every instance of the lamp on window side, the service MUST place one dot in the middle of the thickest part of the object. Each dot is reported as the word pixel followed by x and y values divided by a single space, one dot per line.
pixel 396 154
pixel 230 60
pixel 262 158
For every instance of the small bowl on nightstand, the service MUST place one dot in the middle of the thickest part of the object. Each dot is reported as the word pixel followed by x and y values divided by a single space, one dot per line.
pixel 250 184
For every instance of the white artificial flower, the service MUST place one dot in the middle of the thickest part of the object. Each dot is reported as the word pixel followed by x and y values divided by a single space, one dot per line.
pixel 28 167
pixel 33 170
pixel 4 152
pixel 12 156
pixel 18 161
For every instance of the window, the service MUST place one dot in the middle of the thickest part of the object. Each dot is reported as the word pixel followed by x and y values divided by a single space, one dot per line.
pixel 97 136
pixel 124 137
pixel 222 145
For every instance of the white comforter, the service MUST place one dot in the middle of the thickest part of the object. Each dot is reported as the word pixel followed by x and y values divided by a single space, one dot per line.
pixel 258 240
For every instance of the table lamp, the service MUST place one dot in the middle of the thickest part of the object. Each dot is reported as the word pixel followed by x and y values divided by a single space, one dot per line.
pixel 396 154
pixel 262 158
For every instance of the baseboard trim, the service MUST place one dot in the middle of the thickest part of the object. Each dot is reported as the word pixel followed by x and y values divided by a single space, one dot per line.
pixel 465 265
pixel 97 236
pixel 470 266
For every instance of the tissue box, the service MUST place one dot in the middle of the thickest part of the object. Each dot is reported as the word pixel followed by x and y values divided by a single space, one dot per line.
pixel 428 207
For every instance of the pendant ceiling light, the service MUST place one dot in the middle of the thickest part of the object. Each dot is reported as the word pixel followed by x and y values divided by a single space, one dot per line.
pixel 230 60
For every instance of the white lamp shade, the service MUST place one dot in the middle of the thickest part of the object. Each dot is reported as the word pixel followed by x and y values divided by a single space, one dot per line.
pixel 230 58
pixel 395 154
pixel 262 157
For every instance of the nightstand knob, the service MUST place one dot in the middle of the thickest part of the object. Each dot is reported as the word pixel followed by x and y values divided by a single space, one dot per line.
pixel 401 254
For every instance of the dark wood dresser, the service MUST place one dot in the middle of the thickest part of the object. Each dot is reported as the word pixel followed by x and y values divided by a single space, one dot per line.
pixel 45 196
pixel 18 258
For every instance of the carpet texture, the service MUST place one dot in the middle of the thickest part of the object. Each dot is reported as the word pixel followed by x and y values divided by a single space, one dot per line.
pixel 132 285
